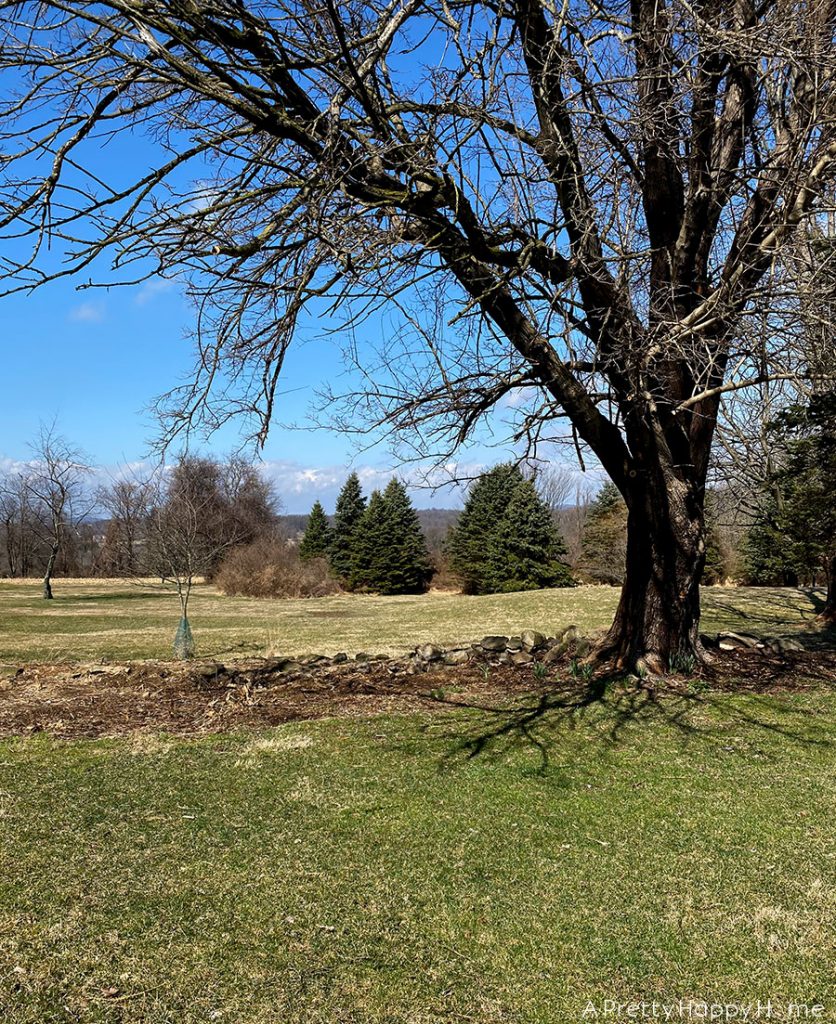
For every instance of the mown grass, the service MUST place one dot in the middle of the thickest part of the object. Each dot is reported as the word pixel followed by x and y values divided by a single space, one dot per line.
pixel 91 619
pixel 371 871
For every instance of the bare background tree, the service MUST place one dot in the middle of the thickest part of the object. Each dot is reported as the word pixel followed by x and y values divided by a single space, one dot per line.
pixel 126 502
pixel 20 533
pixel 556 486
pixel 56 489
pixel 597 208
pixel 189 516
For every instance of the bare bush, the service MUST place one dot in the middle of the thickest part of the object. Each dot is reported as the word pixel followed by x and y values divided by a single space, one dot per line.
pixel 269 567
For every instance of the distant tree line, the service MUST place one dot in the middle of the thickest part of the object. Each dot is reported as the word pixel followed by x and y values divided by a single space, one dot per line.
pixel 219 519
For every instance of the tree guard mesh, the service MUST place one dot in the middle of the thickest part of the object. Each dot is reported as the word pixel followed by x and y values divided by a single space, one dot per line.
pixel 183 640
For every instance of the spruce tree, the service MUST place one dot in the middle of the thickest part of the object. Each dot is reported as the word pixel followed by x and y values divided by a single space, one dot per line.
pixel 794 537
pixel 604 547
pixel 525 549
pixel 390 553
pixel 407 569
pixel 317 538
pixel 367 553
pixel 350 508
pixel 809 480
pixel 485 507
pixel 768 553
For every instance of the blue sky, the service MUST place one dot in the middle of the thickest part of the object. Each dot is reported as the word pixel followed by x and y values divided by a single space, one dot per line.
pixel 94 360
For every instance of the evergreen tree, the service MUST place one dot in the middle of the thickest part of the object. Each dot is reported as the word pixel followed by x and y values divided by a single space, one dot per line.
pixel 408 568
pixel 317 538
pixel 525 550
pixel 390 553
pixel 367 550
pixel 768 553
pixel 484 509
pixel 604 546
pixel 349 511
pixel 797 526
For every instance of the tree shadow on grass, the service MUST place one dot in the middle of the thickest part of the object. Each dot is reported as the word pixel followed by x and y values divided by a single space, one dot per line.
pixel 138 594
pixel 608 707
pixel 765 613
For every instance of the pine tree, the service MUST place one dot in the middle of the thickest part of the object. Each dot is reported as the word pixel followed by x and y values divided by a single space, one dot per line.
pixel 809 481
pixel 525 550
pixel 485 507
pixel 317 538
pixel 768 553
pixel 795 535
pixel 408 569
pixel 390 553
pixel 604 547
pixel 349 511
pixel 367 554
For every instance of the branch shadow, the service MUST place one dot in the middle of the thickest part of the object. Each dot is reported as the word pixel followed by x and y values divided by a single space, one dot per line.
pixel 765 613
pixel 608 706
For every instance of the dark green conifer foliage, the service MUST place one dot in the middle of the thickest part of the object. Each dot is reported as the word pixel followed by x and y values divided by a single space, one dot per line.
pixel 390 553
pixel 317 537
pixel 795 534
pixel 525 550
pixel 484 509
pixel 768 554
pixel 366 553
pixel 809 480
pixel 350 508
pixel 604 547
pixel 409 568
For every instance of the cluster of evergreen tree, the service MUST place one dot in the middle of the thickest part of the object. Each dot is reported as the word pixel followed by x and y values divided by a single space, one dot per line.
pixel 375 546
pixel 506 539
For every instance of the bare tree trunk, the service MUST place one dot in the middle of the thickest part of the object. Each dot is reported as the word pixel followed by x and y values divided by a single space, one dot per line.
pixel 828 613
pixel 657 621
pixel 50 568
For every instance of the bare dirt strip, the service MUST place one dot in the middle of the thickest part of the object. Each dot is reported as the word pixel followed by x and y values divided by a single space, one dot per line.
pixel 77 701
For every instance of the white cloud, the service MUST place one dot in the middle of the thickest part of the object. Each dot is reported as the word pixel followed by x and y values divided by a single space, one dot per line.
pixel 87 313
pixel 516 397
pixel 153 287
pixel 430 486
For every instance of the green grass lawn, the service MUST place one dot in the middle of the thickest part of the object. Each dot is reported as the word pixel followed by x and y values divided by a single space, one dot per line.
pixel 91 619
pixel 369 871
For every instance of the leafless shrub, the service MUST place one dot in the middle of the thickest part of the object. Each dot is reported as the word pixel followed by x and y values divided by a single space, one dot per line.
pixel 270 567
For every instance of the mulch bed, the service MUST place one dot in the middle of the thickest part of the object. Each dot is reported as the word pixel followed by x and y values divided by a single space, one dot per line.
pixel 72 701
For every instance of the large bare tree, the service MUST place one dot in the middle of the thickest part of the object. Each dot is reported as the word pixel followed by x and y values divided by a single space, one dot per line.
pixel 592 206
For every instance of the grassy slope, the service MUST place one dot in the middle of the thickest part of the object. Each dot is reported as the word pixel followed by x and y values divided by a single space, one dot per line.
pixel 93 618
pixel 364 871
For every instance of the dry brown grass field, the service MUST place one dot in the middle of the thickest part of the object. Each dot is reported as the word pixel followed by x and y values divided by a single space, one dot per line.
pixel 117 620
